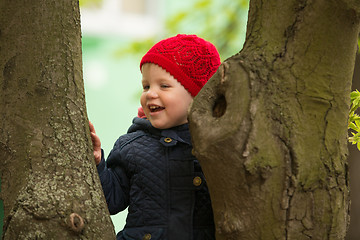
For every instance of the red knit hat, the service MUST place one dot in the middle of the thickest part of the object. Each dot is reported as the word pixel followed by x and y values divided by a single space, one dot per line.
pixel 189 59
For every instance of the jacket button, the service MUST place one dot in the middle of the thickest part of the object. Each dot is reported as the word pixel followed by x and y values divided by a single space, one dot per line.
pixel 167 140
pixel 197 181
pixel 147 236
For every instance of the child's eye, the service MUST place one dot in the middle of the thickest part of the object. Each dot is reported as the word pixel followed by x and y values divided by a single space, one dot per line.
pixel 165 86
pixel 146 87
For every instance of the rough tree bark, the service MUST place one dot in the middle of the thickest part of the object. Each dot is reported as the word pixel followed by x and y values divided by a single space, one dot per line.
pixel 49 182
pixel 270 127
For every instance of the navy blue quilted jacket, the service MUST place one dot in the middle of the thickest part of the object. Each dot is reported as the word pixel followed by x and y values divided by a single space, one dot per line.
pixel 153 172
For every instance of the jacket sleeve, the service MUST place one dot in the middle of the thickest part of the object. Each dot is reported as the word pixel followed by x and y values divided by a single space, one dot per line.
pixel 115 183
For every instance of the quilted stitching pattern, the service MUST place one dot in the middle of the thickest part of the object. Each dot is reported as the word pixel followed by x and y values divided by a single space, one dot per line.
pixel 149 180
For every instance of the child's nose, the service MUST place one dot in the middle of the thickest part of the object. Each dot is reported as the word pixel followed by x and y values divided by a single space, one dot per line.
pixel 152 93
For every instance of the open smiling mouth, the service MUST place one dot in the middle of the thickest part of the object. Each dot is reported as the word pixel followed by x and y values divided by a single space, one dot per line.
pixel 155 108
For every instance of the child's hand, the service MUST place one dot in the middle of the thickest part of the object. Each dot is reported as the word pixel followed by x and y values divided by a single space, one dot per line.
pixel 96 144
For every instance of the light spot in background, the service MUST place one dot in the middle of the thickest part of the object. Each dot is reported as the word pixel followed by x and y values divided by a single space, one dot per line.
pixel 95 75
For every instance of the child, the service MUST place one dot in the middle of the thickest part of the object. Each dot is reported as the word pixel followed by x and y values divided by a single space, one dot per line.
pixel 151 168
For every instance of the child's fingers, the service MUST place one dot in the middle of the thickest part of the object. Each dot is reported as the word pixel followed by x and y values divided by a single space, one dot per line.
pixel 92 128
pixel 94 137
pixel 95 141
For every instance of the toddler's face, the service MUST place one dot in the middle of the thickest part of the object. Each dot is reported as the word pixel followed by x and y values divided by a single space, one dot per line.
pixel 164 100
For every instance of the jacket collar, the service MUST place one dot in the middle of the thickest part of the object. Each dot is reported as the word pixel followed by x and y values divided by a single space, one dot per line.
pixel 179 133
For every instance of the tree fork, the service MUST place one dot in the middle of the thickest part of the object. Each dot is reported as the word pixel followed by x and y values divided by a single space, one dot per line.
pixel 270 127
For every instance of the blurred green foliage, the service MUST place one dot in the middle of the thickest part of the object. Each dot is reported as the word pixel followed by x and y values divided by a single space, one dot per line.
pixel 221 22
pixel 90 3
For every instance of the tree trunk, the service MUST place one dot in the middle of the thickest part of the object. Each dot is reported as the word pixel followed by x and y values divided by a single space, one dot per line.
pixel 270 127
pixel 49 184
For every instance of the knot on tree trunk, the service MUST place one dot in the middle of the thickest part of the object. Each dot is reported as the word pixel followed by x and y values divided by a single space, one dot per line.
pixel 76 222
